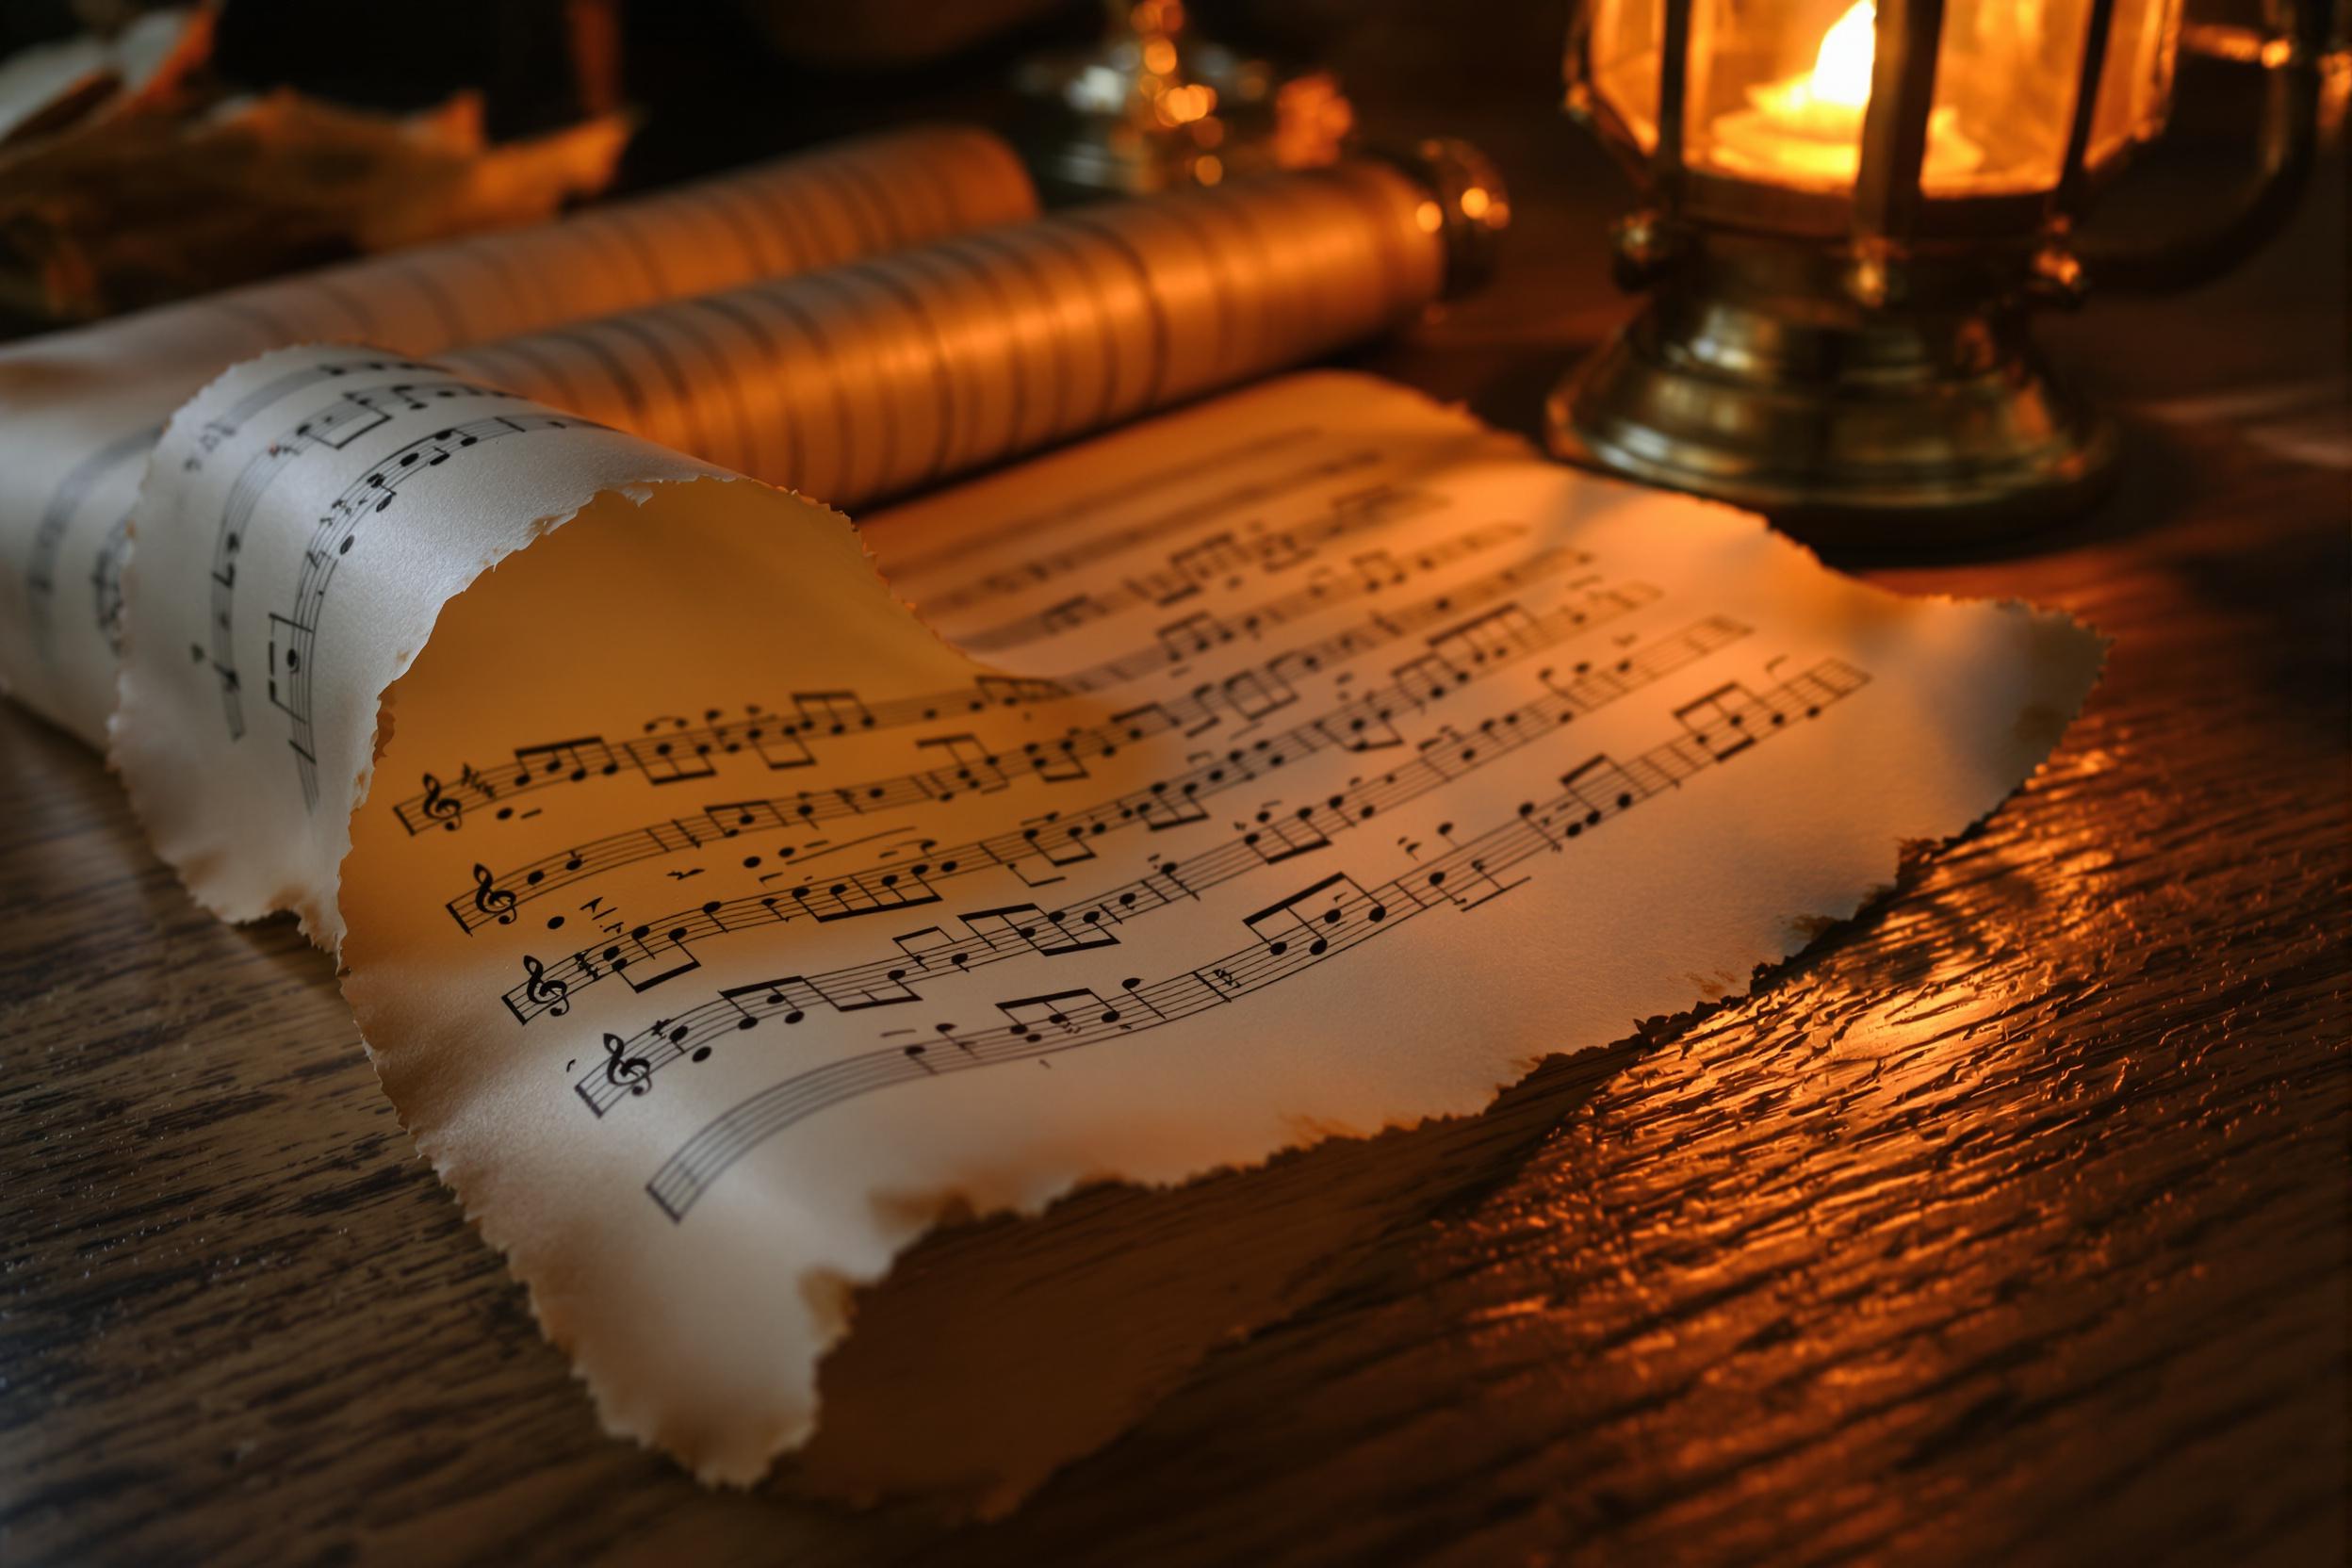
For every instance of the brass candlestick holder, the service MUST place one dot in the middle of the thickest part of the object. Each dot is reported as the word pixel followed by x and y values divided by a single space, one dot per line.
pixel 1854 213
pixel 1154 107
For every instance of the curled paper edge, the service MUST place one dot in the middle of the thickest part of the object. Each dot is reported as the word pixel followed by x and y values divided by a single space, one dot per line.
pixel 745 1454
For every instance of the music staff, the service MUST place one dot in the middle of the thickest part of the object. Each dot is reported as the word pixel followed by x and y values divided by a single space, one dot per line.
pixel 1094 923
pixel 331 427
pixel 674 751
pixel 1470 651
pixel 86 478
pixel 1102 544
pixel 294 637
pixel 1187 571
pixel 106 581
pixel 1322 921
pixel 1147 481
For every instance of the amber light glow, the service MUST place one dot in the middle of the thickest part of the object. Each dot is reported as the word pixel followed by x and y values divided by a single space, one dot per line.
pixel 1849 207
pixel 1776 91
pixel 1807 129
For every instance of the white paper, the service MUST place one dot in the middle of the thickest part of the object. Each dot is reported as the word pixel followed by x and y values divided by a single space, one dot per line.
pixel 1322 760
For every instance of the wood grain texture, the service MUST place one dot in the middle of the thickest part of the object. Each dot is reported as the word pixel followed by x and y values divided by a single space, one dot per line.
pixel 2009 1223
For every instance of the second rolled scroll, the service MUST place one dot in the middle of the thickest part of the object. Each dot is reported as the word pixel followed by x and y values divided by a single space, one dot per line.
pixel 890 374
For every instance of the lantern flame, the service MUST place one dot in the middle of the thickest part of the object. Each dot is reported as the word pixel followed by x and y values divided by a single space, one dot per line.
pixel 1842 67
pixel 1831 99
pixel 1806 129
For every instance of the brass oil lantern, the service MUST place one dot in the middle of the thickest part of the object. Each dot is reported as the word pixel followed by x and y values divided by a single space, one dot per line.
pixel 1854 209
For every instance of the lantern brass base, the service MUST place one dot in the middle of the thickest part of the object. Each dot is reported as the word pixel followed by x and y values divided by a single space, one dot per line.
pixel 1886 430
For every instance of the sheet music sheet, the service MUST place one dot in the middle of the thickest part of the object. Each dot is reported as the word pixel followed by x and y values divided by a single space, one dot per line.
pixel 80 411
pixel 1315 761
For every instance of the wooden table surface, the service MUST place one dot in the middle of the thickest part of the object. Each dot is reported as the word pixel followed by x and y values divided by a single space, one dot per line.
pixel 2011 1222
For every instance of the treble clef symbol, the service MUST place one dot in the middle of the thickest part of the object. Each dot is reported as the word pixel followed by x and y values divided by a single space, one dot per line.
pixel 544 991
pixel 490 898
pixel 440 808
pixel 618 1069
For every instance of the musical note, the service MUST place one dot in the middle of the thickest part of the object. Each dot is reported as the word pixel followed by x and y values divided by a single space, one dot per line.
pixel 1190 567
pixel 1218 556
pixel 675 759
pixel 1069 615
pixel 1601 787
pixel 855 991
pixel 856 894
pixel 1054 843
pixel 974 766
pixel 1067 1012
pixel 832 713
pixel 621 1069
pixel 772 999
pixel 294 635
pixel 491 899
pixel 1255 694
pixel 542 990
pixel 1056 764
pixel 1377 569
pixel 1306 917
pixel 1035 930
pixel 1277 836
pixel 553 762
pixel 1004 691
pixel 776 744
pixel 1719 720
pixel 439 807
pixel 1193 636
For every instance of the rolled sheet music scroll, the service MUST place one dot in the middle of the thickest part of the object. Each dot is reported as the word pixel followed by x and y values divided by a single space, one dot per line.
pixel 80 411
pixel 879 378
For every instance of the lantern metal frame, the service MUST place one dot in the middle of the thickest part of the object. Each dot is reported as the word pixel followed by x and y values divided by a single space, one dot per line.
pixel 1857 364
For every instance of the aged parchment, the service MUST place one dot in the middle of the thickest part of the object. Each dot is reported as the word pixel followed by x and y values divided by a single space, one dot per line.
pixel 1313 762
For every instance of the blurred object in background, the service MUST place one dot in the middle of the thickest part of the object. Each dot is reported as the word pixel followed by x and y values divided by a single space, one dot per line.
pixel 134 171
pixel 51 87
pixel 538 65
pixel 885 35
pixel 1154 106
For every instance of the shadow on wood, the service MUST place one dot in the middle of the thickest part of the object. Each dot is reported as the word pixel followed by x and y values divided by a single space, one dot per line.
pixel 1000 1349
